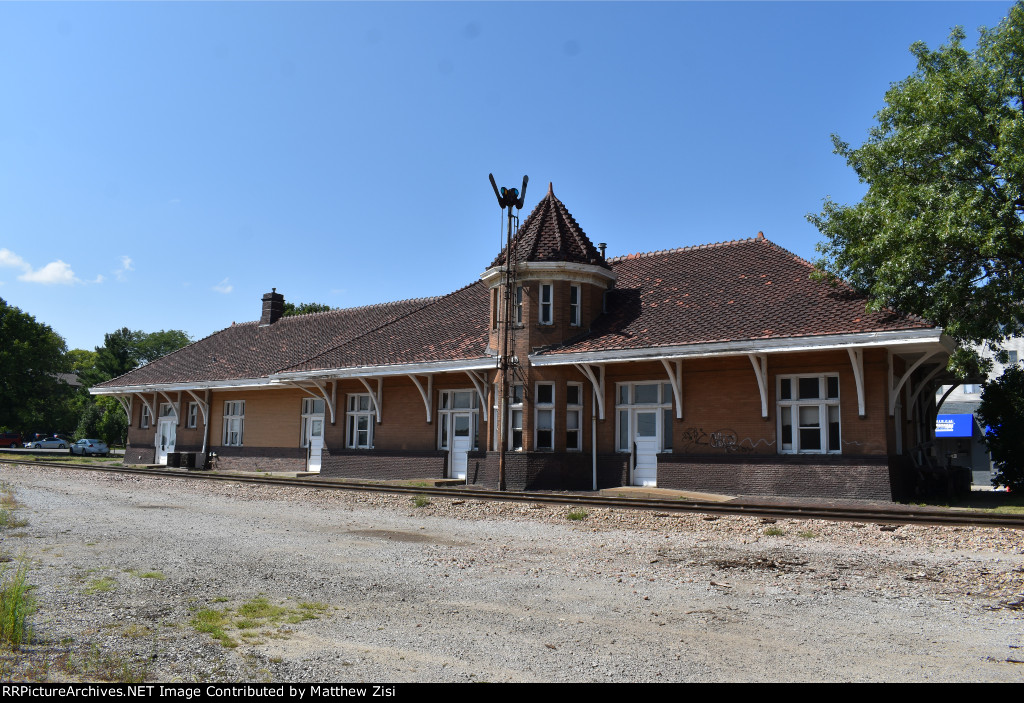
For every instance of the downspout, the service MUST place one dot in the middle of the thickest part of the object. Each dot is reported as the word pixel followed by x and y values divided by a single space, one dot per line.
pixel 593 432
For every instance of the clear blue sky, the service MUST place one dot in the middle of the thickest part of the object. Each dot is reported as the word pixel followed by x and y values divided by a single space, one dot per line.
pixel 162 165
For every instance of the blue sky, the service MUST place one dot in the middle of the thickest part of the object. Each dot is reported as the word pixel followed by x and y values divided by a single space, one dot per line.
pixel 162 165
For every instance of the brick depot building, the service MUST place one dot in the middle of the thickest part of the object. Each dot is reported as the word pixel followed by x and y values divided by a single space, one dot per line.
pixel 721 367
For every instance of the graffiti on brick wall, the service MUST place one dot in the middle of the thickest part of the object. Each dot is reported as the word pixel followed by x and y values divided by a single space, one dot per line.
pixel 696 439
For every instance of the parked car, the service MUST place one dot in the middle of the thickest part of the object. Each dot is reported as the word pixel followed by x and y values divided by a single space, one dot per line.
pixel 48 443
pixel 10 439
pixel 90 446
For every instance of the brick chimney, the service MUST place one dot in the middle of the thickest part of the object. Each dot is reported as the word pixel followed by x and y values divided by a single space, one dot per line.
pixel 273 307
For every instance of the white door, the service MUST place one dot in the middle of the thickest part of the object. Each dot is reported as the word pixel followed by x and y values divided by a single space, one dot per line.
pixel 166 436
pixel 645 438
pixel 462 442
pixel 315 443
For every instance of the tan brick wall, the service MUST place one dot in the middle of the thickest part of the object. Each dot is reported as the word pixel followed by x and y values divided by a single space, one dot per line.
pixel 273 417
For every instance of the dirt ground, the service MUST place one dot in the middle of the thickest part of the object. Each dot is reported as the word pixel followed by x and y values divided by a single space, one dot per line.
pixel 178 580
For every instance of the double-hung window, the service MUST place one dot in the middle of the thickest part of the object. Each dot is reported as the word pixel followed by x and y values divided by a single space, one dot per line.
pixel 546 296
pixel 573 416
pixel 192 419
pixel 809 414
pixel 360 421
pixel 234 422
pixel 574 306
pixel 515 418
pixel 518 313
pixel 144 418
pixel 544 412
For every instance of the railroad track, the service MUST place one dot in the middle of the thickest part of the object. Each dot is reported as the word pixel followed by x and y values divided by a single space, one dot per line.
pixel 896 515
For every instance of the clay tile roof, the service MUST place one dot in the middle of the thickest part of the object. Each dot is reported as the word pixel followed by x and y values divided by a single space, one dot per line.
pixel 248 350
pixel 551 233
pixel 746 289
pixel 449 328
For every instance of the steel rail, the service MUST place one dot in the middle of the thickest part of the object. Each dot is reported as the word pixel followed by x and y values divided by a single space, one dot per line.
pixel 897 515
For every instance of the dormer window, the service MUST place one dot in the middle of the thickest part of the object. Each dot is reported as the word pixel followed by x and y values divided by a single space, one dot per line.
pixel 545 303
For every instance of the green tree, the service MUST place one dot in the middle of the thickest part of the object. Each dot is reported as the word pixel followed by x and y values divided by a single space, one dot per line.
pixel 31 357
pixel 303 308
pixel 125 349
pixel 940 231
pixel 1002 410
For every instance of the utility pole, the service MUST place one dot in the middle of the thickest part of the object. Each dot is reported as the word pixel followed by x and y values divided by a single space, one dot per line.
pixel 508 198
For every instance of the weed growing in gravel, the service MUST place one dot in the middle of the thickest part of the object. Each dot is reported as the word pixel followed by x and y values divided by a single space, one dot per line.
pixel 421 501
pixel 256 614
pixel 577 514
pixel 16 604
pixel 112 667
pixel 807 534
pixel 147 574
pixel 101 585
pixel 8 508
pixel 774 532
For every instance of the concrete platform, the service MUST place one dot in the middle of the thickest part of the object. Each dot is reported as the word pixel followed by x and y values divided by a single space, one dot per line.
pixel 641 492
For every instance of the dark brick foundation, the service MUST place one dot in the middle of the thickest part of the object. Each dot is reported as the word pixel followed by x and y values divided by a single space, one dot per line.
pixel 864 477
pixel 139 455
pixel 538 471
pixel 384 465
pixel 259 458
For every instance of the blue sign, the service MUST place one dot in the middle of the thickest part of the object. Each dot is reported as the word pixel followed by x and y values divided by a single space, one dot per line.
pixel 954 426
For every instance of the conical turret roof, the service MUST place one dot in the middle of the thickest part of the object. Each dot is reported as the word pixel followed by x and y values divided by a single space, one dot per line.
pixel 551 233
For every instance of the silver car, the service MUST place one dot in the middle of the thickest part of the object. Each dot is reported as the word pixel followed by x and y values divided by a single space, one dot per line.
pixel 90 446
pixel 48 443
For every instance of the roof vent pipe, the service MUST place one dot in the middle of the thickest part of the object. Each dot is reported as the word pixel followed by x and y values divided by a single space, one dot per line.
pixel 273 307
pixel 602 246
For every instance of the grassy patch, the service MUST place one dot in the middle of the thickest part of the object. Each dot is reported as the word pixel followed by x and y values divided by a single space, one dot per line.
pixel 147 574
pixel 420 501
pixel 774 532
pixel 806 534
pixel 577 514
pixel 255 619
pixel 103 666
pixel 101 585
pixel 8 508
pixel 417 484
pixel 16 604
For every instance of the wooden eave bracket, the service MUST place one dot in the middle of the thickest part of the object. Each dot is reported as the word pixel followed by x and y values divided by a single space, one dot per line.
pixel 145 402
pixel 894 390
pixel 375 397
pixel 912 406
pixel 595 373
pixel 125 401
pixel 857 361
pixel 203 406
pixel 676 378
pixel 760 364
pixel 479 380
pixel 426 394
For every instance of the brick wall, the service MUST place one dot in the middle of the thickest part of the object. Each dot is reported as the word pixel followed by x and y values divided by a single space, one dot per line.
pixel 383 464
pixel 260 458
pixel 863 477
pixel 531 471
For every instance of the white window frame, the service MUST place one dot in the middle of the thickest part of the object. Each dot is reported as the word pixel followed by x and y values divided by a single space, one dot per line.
pixel 625 414
pixel 234 423
pixel 575 292
pixel 518 303
pixel 144 417
pixel 574 410
pixel 824 406
pixel 309 414
pixel 192 419
pixel 545 309
pixel 446 408
pixel 515 405
pixel 543 409
pixel 353 415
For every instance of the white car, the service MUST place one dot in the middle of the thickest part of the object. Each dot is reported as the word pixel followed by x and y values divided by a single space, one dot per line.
pixel 49 443
pixel 90 446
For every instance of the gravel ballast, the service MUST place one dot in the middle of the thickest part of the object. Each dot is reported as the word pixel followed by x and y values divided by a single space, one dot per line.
pixel 371 587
